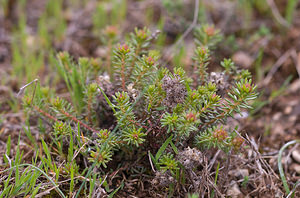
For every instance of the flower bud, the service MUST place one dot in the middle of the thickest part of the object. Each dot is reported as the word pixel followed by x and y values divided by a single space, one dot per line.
pixel 237 142
pixel 141 34
pixel 150 61
pixel 247 87
pixel 191 116
pixel 210 31
pixel 124 49
pixel 202 51
pixel 111 31
pixel 220 134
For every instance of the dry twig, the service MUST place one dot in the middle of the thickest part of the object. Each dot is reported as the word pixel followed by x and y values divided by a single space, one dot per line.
pixel 276 14
pixel 275 68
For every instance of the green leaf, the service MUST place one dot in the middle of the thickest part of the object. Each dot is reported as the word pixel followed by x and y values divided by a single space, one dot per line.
pixel 153 159
pixel 107 100
pixel 8 146
pixel 163 148
pixel 47 152
pixel 174 147
pixel 36 190
pixel 116 190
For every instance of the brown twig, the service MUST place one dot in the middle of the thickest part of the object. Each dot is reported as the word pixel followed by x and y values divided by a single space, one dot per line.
pixel 188 30
pixel 213 160
pixel 194 23
pixel 151 162
pixel 275 67
pixel 296 58
pixel 276 14
pixel 25 86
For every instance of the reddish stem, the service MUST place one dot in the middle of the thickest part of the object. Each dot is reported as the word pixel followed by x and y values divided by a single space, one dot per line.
pixel 45 113
pixel 78 121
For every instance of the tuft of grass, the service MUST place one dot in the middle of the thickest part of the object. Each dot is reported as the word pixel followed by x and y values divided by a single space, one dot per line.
pixel 24 179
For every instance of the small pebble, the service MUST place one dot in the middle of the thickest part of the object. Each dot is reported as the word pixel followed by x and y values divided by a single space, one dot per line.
pixel 296 156
pixel 293 118
pixel 240 173
pixel 234 191
pixel 295 167
pixel 243 59
pixel 277 116
pixel 288 110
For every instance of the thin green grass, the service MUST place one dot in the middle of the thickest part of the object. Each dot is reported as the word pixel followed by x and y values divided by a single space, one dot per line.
pixel 280 168
pixel 290 10
pixel 26 179
pixel 216 179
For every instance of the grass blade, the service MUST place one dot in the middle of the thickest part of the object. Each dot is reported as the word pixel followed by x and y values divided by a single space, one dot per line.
pixel 280 168
pixel 163 148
